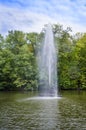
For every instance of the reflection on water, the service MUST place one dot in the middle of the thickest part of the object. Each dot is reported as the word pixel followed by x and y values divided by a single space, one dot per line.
pixel 21 111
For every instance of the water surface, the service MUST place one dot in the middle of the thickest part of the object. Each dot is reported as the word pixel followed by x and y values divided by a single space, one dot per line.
pixel 22 111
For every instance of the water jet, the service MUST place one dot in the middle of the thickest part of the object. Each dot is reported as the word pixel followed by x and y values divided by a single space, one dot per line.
pixel 48 65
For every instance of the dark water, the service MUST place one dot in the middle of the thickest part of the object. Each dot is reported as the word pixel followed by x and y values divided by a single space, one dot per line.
pixel 20 111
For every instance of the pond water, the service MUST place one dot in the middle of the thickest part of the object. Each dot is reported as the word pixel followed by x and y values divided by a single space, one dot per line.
pixel 22 111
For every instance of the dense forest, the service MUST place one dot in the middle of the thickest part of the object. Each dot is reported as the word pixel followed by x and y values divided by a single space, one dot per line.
pixel 18 59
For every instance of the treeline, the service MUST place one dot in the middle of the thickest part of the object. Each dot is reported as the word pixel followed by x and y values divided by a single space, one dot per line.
pixel 18 59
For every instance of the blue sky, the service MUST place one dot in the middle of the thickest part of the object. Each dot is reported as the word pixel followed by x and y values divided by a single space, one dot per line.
pixel 31 15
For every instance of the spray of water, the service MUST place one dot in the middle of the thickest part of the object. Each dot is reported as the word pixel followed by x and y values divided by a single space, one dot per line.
pixel 48 65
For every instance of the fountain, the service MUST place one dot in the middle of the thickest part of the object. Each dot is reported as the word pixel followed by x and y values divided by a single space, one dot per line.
pixel 48 65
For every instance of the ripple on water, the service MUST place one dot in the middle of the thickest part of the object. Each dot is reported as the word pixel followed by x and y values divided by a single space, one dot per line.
pixel 40 98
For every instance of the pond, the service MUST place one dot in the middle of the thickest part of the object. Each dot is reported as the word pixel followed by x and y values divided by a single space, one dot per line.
pixel 25 111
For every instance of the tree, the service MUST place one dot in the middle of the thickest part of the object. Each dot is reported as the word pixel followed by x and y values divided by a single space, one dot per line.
pixel 32 41
pixel 81 61
pixel 18 69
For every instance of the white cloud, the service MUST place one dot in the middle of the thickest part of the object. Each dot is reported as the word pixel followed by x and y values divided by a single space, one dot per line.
pixel 22 20
pixel 33 18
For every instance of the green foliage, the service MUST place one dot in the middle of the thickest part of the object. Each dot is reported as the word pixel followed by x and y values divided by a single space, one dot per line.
pixel 18 68
pixel 18 55
pixel 71 58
